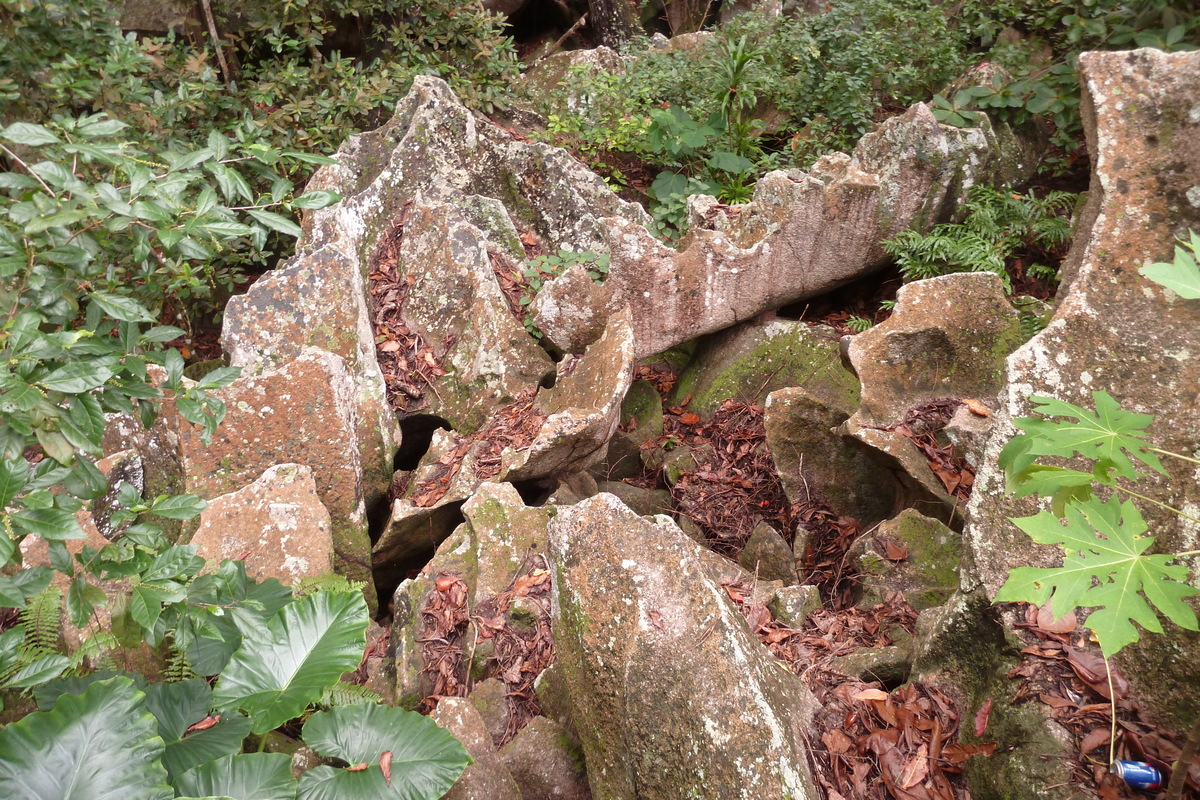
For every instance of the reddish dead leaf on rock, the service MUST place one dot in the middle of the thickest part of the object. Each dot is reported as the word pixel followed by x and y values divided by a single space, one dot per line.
pixel 977 408
pixel 689 418
pixel 1064 624
pixel 870 694
pixel 385 764
pixel 837 742
pixel 1091 670
pixel 894 552
pixel 203 724
pixel 525 583
pixel 444 583
pixel 735 593
pixel 242 556
pixel 981 717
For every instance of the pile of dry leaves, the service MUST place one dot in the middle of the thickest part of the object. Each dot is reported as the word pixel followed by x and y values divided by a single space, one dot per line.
pixel 513 427
pixel 521 648
pixel 409 364
pixel 1062 672
pixel 921 425
pixel 734 485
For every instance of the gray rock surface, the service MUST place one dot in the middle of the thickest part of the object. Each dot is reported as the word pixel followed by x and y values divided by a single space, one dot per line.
pixel 1115 330
pixel 542 764
pixel 674 696
pixel 487 778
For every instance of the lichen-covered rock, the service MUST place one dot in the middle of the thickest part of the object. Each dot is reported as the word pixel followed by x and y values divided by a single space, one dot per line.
pixel 302 412
pixel 815 462
pixel 751 360
pixel 791 605
pixel 948 337
pixel 768 557
pixel 674 697
pixel 1115 330
pixel 922 563
pixel 645 502
pixel 455 303
pixel 807 233
pixel 487 778
pixel 961 649
pixel 278 521
pixel 543 765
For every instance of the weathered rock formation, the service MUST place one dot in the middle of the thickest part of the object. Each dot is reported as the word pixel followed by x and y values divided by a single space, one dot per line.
pixel 1115 330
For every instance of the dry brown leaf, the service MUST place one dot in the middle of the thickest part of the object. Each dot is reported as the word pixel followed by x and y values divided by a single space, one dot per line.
pixel 689 418
pixel 836 741
pixel 1094 738
pixel 1064 624
pixel 981 717
pixel 870 694
pixel 389 346
pixel 916 768
pixel 358 767
pixel 977 408
pixel 385 764
pixel 203 724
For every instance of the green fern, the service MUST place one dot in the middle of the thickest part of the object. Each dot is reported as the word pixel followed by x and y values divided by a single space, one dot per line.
pixel 177 668
pixel 998 226
pixel 42 620
pixel 348 694
pixel 329 582
pixel 95 653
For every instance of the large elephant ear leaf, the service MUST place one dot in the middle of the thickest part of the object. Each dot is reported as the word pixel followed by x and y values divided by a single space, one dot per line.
pixel 424 761
pixel 177 707
pixel 306 648
pixel 253 776
pixel 100 745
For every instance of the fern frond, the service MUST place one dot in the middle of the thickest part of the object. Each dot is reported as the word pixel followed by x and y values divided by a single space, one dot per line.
pixel 348 694
pixel 177 668
pixel 329 582
pixel 42 620
pixel 95 653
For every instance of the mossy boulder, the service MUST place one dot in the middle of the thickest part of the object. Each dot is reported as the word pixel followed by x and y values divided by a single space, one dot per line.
pixel 917 556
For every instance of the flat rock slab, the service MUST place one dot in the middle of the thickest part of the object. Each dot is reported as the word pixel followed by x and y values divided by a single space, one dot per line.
pixel 278 522
pixel 674 696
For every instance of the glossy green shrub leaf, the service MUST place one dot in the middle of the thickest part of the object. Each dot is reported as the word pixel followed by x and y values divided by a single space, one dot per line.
pixel 306 648
pixel 425 759
pixel 253 776
pixel 101 745
pixel 316 199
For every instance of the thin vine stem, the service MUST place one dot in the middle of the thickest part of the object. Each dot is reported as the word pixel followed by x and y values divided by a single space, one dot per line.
pixel 1189 459
pixel 1152 501
pixel 1112 701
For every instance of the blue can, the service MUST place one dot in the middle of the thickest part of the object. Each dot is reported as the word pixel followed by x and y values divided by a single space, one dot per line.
pixel 1137 774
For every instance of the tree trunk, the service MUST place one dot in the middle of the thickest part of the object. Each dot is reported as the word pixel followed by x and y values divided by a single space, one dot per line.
pixel 614 21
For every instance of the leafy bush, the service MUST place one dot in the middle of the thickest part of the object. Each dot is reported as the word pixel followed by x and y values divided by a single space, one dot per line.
pixel 998 226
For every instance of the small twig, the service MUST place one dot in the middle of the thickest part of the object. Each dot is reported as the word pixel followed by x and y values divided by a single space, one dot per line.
pixel 559 42
pixel 17 159
pixel 216 39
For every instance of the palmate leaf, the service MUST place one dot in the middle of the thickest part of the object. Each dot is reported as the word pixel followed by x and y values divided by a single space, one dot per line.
pixel 306 648
pixel 1106 567
pixel 425 762
pixel 101 745
pixel 1109 436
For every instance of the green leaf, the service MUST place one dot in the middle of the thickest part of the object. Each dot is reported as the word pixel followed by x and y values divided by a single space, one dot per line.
pixel 82 599
pixel 308 158
pixel 77 377
pixel 101 745
pixel 317 199
pixel 101 127
pixel 219 378
pixel 1181 276
pixel 253 776
pixel 178 706
pixel 426 759
pixel 306 647
pixel 53 524
pixel 62 219
pixel 43 669
pixel 29 135
pixel 122 308
pixel 275 222
pixel 730 162
pixel 14 474
pixel 182 506
pixel 1111 434
pixel 176 561
pixel 1106 566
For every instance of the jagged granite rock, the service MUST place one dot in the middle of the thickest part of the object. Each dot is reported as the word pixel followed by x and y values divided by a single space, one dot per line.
pixel 751 360
pixel 1115 330
pixel 278 520
pixel 583 410
pixel 673 695
pixel 803 234
pixel 927 571
pixel 487 778
pixel 542 764
pixel 947 337
pixel 455 303
pixel 498 535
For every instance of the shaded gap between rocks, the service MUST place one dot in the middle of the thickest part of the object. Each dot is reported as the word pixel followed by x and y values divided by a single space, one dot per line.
pixel 440 523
